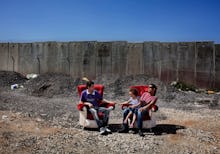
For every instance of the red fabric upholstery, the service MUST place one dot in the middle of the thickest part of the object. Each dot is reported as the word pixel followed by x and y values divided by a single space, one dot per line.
pixel 140 89
pixel 100 89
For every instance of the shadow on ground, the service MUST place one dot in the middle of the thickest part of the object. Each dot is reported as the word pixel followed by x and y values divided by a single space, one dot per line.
pixel 160 129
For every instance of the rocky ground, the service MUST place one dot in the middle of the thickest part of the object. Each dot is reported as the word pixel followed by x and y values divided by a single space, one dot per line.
pixel 42 117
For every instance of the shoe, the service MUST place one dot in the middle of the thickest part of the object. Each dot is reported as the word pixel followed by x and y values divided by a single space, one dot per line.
pixel 108 130
pixel 141 133
pixel 135 132
pixel 102 131
pixel 124 129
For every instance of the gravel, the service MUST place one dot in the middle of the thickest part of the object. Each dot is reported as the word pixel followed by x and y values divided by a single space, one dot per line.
pixel 42 118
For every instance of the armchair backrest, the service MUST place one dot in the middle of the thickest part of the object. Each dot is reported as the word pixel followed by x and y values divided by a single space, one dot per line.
pixel 141 89
pixel 98 87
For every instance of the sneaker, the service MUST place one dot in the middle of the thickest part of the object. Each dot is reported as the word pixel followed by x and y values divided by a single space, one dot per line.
pixel 108 130
pixel 102 131
pixel 141 133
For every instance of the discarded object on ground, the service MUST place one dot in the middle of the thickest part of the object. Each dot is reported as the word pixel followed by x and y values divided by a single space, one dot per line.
pixel 31 76
pixel 16 86
pixel 210 92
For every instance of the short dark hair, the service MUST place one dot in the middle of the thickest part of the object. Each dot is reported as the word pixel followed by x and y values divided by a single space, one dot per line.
pixel 134 91
pixel 153 86
pixel 89 84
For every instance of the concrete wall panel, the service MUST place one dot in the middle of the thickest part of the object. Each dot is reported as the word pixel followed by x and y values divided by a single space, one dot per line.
pixel 27 59
pixel 204 64
pixel 119 58
pixel 168 62
pixel 13 58
pixel 217 66
pixel 152 59
pixel 186 62
pixel 134 60
pixel 89 59
pixel 64 64
pixel 4 56
pixel 82 57
pixel 41 65
pixel 104 58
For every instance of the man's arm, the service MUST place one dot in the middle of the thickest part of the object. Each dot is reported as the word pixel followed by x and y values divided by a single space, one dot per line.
pixel 148 105
pixel 87 103
pixel 136 105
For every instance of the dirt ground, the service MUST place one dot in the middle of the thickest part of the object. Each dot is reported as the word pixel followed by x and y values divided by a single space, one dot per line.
pixel 42 117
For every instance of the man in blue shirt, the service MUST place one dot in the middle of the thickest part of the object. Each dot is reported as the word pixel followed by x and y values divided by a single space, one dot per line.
pixel 91 98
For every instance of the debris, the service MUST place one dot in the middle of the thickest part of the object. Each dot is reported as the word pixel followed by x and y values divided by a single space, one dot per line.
pixel 4 117
pixel 16 86
pixel 210 92
pixel 31 76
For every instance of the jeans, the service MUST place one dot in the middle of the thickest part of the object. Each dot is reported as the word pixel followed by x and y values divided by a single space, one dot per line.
pixel 125 113
pixel 104 121
pixel 139 118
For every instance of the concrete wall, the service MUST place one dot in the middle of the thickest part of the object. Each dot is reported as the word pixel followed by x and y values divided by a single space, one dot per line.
pixel 217 66
pixel 196 63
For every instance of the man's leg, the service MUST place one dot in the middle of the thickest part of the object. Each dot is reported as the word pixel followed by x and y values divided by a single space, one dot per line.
pixel 106 112
pixel 140 121
pixel 95 116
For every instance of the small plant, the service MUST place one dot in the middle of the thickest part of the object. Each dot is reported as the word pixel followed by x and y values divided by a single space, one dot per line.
pixel 183 86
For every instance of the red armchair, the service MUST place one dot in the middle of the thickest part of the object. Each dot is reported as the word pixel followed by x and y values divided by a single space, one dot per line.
pixel 149 120
pixel 85 117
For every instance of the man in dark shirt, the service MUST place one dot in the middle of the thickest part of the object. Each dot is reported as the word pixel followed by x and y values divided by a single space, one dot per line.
pixel 91 98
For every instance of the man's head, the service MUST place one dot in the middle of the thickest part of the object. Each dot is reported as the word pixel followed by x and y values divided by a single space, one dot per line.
pixel 90 86
pixel 152 89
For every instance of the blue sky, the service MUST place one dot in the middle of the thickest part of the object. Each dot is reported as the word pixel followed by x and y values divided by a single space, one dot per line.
pixel 110 20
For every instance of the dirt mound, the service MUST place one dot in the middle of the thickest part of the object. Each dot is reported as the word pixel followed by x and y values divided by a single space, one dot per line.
pixel 8 78
pixel 51 84
pixel 119 87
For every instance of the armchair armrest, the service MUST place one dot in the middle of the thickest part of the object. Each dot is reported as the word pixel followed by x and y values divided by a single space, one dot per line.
pixel 124 106
pixel 80 106
pixel 111 105
pixel 154 108
pixel 108 105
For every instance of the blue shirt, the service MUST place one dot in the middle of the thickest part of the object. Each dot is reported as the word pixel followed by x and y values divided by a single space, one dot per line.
pixel 92 98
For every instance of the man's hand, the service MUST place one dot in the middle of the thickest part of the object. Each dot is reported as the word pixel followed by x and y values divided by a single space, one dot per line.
pixel 89 104
pixel 141 109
